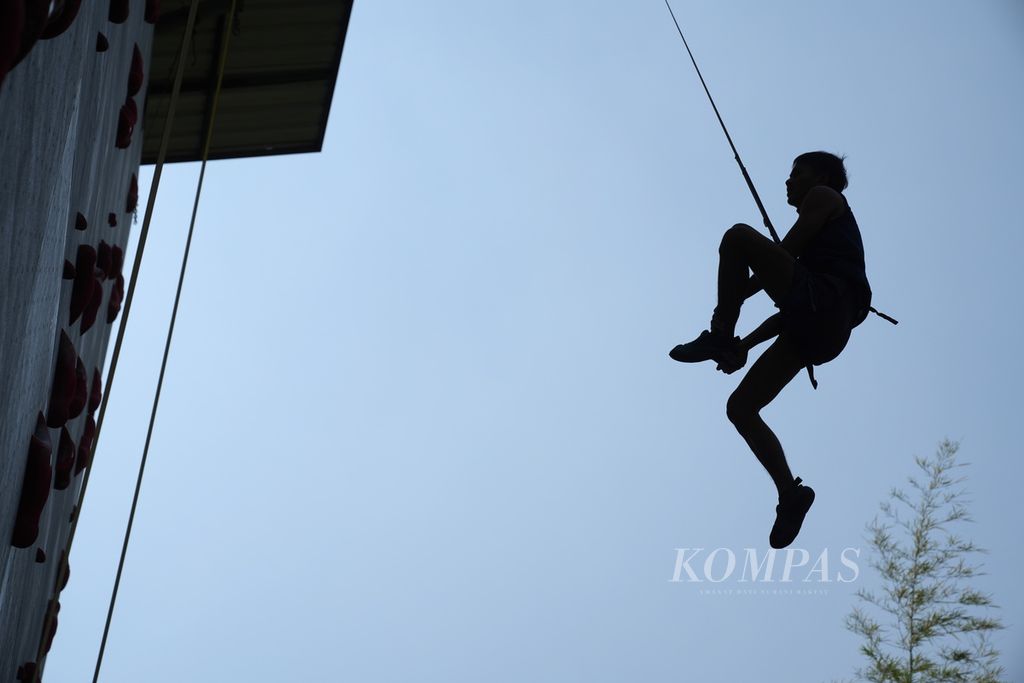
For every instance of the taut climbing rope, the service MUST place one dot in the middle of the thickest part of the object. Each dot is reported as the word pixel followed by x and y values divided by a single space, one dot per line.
pixel 743 169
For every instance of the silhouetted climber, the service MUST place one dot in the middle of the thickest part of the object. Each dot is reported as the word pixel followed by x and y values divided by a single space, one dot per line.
pixel 817 279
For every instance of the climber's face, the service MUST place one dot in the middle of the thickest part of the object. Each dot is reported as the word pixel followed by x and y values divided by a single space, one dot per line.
pixel 801 179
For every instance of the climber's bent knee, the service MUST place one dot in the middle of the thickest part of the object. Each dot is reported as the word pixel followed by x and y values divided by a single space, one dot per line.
pixel 738 234
pixel 739 410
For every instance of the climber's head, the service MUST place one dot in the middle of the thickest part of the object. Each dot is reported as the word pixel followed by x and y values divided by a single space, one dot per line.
pixel 813 169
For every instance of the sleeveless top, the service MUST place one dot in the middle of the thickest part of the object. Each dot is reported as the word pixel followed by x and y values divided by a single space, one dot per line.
pixel 838 251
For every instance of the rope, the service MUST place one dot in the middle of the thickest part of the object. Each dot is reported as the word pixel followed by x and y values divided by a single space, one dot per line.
pixel 743 169
pixel 225 39
pixel 129 297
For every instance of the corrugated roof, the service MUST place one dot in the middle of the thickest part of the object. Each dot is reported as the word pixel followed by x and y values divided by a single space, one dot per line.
pixel 278 80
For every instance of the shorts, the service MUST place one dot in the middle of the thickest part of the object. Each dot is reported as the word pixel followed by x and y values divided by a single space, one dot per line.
pixel 818 314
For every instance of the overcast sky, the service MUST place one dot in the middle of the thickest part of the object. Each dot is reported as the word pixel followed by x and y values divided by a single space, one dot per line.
pixel 420 423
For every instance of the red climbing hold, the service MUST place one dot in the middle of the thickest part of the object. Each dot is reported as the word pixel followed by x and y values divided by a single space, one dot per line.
pixel 12 19
pixel 133 195
pixel 112 220
pixel 27 672
pixel 81 293
pixel 35 488
pixel 63 572
pixel 80 222
pixel 104 259
pixel 69 270
pixel 85 447
pixel 116 297
pixel 54 608
pixel 65 460
pixel 118 11
pixel 61 19
pixel 152 11
pixel 102 44
pixel 64 383
pixel 116 261
pixel 136 74
pixel 37 12
pixel 92 308
pixel 126 120
pixel 85 263
pixel 96 393
pixel 81 395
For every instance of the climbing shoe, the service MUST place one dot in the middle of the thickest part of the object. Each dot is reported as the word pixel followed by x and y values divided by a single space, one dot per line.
pixel 793 505
pixel 709 345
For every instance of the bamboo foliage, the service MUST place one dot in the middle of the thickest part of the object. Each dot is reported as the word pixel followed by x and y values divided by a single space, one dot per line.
pixel 926 624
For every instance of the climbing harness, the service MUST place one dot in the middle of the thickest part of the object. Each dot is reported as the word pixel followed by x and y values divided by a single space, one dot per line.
pixel 743 170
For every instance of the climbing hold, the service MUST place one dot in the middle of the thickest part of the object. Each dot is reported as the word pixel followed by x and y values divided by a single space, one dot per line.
pixel 69 270
pixel 65 460
pixel 40 555
pixel 37 12
pixel 85 263
pixel 92 308
pixel 85 448
pixel 112 220
pixel 80 222
pixel 126 120
pixel 64 383
pixel 116 296
pixel 116 261
pixel 27 672
pixel 52 608
pixel 102 44
pixel 96 394
pixel 118 11
pixel 133 195
pixel 104 259
pixel 136 74
pixel 63 572
pixel 61 19
pixel 35 487
pixel 152 11
pixel 81 395
pixel 12 20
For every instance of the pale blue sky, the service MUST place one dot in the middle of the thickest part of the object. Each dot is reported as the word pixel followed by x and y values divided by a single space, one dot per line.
pixel 420 423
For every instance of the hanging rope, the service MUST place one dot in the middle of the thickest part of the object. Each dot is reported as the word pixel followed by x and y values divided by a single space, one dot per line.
pixel 225 39
pixel 143 235
pixel 743 169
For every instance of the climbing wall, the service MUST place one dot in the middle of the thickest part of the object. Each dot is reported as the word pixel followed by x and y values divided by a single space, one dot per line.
pixel 72 83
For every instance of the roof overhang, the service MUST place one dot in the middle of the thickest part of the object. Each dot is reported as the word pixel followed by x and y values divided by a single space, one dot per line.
pixel 279 77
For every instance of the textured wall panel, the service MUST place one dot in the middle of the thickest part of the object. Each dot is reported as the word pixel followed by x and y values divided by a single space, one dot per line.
pixel 58 122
